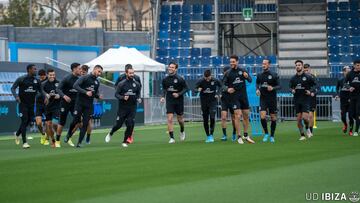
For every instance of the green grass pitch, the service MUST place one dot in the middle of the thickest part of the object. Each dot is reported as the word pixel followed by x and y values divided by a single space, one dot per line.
pixel 151 170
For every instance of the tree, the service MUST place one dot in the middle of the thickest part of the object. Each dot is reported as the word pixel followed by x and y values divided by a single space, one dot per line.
pixel 17 14
pixel 61 8
pixel 81 9
pixel 137 13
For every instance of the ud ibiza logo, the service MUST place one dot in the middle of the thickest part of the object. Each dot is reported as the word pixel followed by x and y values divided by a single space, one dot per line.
pixel 269 77
pixel 354 197
pixel 175 81
pixel 304 78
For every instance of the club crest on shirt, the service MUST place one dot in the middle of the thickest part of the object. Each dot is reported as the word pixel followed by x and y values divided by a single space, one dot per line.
pixel 304 78
pixel 35 81
pixel 56 84
pixel 212 83
pixel 20 115
pixel 240 72
pixel 134 85
pixel 270 77
pixel 175 80
pixel 62 109
pixel 75 112
pixel 96 82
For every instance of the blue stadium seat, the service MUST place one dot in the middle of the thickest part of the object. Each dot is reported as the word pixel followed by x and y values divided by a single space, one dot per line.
pixel 355 22
pixel 185 43
pixel 346 59
pixel 197 12
pixel 343 5
pixel 175 9
pixel 344 40
pixel 259 59
pixel 332 6
pixel 354 5
pixel 186 17
pixel 163 44
pixel 206 52
pixel 273 59
pixel 165 8
pixel 355 49
pixel 333 40
pixel 207 10
pixel 197 8
pixel 343 23
pixel 332 15
pixel 164 25
pixel 345 31
pixel 333 32
pixel 185 52
pixel 161 60
pixel 173 53
pixel 162 52
pixel 195 52
pixel 331 23
pixel 226 60
pixel 185 25
pixel 174 43
pixel 334 59
pixel 250 60
pixel 163 34
pixel 216 61
pixel 174 34
pixel 185 34
pixel 355 40
pixel 183 62
pixel 164 17
pixel 186 9
pixel 355 31
pixel 334 50
pixel 344 14
pixel 205 61
pixel 241 60
pixel 194 61
pixel 344 49
pixel 175 25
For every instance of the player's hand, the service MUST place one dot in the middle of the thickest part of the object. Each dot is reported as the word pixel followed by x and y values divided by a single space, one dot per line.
pixel 270 88
pixel 230 90
pixel 312 94
pixel 89 93
pixel 67 99
pixel 307 92
pixel 139 100
pixel 258 92
pixel 245 74
pixel 352 89
pixel 57 96
pixel 217 96
pixel 175 95
pixel 47 96
pixel 199 89
pixel 18 99
pixel 162 99
pixel 46 101
pixel 293 91
pixel 126 97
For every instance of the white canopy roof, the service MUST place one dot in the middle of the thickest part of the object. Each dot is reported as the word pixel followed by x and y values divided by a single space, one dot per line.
pixel 114 60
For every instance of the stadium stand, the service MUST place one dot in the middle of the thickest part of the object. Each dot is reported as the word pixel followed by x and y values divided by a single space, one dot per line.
pixel 6 81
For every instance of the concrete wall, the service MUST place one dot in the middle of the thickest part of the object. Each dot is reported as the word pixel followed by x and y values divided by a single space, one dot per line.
pixel 74 36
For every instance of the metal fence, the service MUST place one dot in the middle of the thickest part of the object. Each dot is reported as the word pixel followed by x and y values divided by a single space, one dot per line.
pixel 155 112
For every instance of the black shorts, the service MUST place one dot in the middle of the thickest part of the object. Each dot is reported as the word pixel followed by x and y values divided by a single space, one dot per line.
pixel 355 107
pixel 126 113
pixel 26 112
pixel 208 107
pixel 229 104
pixel 52 114
pixel 244 102
pixel 65 109
pixel 175 107
pixel 313 104
pixel 39 109
pixel 268 104
pixel 344 105
pixel 302 107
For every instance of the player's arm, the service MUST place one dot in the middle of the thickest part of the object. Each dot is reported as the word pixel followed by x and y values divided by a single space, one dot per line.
pixel 248 78
pixel 118 92
pixel 198 85
pixel 79 82
pixel 97 93
pixel 137 78
pixel 164 87
pixel 277 82
pixel 15 86
pixel 219 87
pixel 184 86
pixel 292 85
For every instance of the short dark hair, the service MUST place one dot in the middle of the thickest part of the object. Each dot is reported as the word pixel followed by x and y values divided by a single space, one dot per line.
pixel 176 65
pixel 234 57
pixel 207 73
pixel 299 61
pixel 85 68
pixel 41 72
pixel 98 66
pixel 74 65
pixel 306 65
pixel 226 68
pixel 30 66
pixel 267 59
pixel 356 61
pixel 50 70
pixel 127 67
